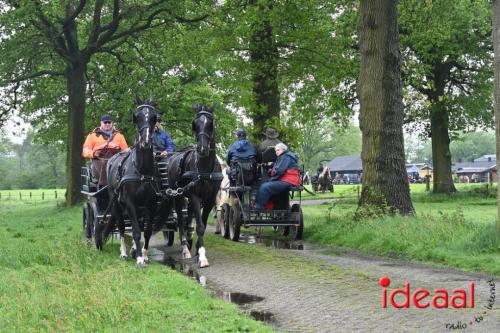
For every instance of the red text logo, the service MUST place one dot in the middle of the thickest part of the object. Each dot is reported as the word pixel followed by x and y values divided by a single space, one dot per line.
pixel 422 298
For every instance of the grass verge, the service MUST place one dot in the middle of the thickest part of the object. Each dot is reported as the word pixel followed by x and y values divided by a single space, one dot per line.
pixel 52 281
pixel 456 231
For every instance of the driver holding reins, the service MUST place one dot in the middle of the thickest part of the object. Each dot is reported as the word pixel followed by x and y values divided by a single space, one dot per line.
pixel 100 144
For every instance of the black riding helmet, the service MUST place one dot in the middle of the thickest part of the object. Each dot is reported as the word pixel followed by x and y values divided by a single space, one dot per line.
pixel 241 133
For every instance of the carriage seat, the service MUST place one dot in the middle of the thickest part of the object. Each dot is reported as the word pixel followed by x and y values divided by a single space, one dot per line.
pixel 243 172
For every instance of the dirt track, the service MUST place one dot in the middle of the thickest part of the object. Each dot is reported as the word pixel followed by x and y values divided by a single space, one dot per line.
pixel 308 291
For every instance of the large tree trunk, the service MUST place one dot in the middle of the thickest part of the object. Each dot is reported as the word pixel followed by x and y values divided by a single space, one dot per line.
pixel 441 155
pixel 76 85
pixel 496 94
pixel 264 61
pixel 381 109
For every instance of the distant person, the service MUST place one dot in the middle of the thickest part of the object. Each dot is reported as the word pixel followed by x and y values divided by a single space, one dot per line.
pixel 103 142
pixel 320 169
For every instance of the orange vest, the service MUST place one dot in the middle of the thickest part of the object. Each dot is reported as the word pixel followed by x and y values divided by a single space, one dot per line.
pixel 95 142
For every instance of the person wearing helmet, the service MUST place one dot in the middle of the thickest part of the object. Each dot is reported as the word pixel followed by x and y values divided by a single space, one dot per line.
pixel 241 159
pixel 241 149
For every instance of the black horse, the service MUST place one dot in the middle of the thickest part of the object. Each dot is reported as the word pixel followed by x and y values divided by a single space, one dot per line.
pixel 196 174
pixel 132 184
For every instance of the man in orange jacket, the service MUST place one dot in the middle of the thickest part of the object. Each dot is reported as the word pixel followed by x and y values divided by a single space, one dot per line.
pixel 102 143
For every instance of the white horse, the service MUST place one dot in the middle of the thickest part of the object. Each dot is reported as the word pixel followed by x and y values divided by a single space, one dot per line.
pixel 222 196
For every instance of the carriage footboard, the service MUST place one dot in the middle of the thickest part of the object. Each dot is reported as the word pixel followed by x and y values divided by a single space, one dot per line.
pixel 269 218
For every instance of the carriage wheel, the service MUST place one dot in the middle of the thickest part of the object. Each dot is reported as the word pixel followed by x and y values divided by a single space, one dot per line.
pixel 224 224
pixel 297 232
pixel 168 235
pixel 87 221
pixel 234 222
pixel 97 227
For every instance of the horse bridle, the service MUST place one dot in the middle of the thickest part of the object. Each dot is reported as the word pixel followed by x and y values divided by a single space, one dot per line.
pixel 211 117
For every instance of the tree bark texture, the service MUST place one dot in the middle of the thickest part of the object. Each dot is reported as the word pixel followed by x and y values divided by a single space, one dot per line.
pixel 264 63
pixel 76 85
pixel 385 182
pixel 441 155
pixel 496 95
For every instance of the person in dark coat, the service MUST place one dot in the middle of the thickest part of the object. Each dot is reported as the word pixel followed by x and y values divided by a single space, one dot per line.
pixel 270 142
pixel 241 160
pixel 162 142
pixel 241 149
pixel 284 174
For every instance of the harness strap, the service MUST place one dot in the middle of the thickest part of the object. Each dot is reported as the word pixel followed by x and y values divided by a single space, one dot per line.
pixel 212 176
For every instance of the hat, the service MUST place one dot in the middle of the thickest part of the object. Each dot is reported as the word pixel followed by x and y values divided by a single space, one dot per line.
pixel 271 133
pixel 241 132
pixel 106 117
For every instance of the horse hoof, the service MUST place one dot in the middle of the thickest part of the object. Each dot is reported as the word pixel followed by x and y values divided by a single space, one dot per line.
pixel 123 257
pixel 146 260
pixel 203 263
pixel 140 263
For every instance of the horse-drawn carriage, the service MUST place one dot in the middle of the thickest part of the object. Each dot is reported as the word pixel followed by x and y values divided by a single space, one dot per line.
pixel 322 182
pixel 279 213
pixel 97 209
pixel 138 195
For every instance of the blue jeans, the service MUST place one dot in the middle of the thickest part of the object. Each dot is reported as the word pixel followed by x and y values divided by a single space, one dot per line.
pixel 268 189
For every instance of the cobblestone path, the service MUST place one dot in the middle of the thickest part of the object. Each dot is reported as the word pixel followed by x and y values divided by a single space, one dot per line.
pixel 309 291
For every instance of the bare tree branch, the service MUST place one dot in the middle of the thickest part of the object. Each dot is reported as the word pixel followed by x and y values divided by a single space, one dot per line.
pixel 96 23
pixel 74 14
pixel 34 75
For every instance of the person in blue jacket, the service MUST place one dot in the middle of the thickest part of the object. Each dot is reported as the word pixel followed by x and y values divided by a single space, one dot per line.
pixel 161 140
pixel 243 153
pixel 284 174
pixel 241 149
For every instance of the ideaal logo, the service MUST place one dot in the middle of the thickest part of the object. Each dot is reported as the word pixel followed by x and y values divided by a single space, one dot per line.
pixel 440 299
pixel 422 298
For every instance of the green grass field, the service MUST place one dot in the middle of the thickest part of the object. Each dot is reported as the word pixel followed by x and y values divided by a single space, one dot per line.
pixel 52 281
pixel 456 231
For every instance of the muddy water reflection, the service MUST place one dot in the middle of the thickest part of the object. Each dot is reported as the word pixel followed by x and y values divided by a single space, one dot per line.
pixel 238 298
pixel 270 242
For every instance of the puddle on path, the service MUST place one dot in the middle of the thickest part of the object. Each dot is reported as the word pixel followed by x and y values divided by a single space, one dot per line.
pixel 270 242
pixel 238 298
pixel 264 316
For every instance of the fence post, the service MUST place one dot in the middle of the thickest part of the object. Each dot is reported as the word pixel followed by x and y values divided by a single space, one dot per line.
pixel 43 195
pixel 9 196
pixel 358 192
pixel 20 196
pixel 30 195
pixel 55 192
